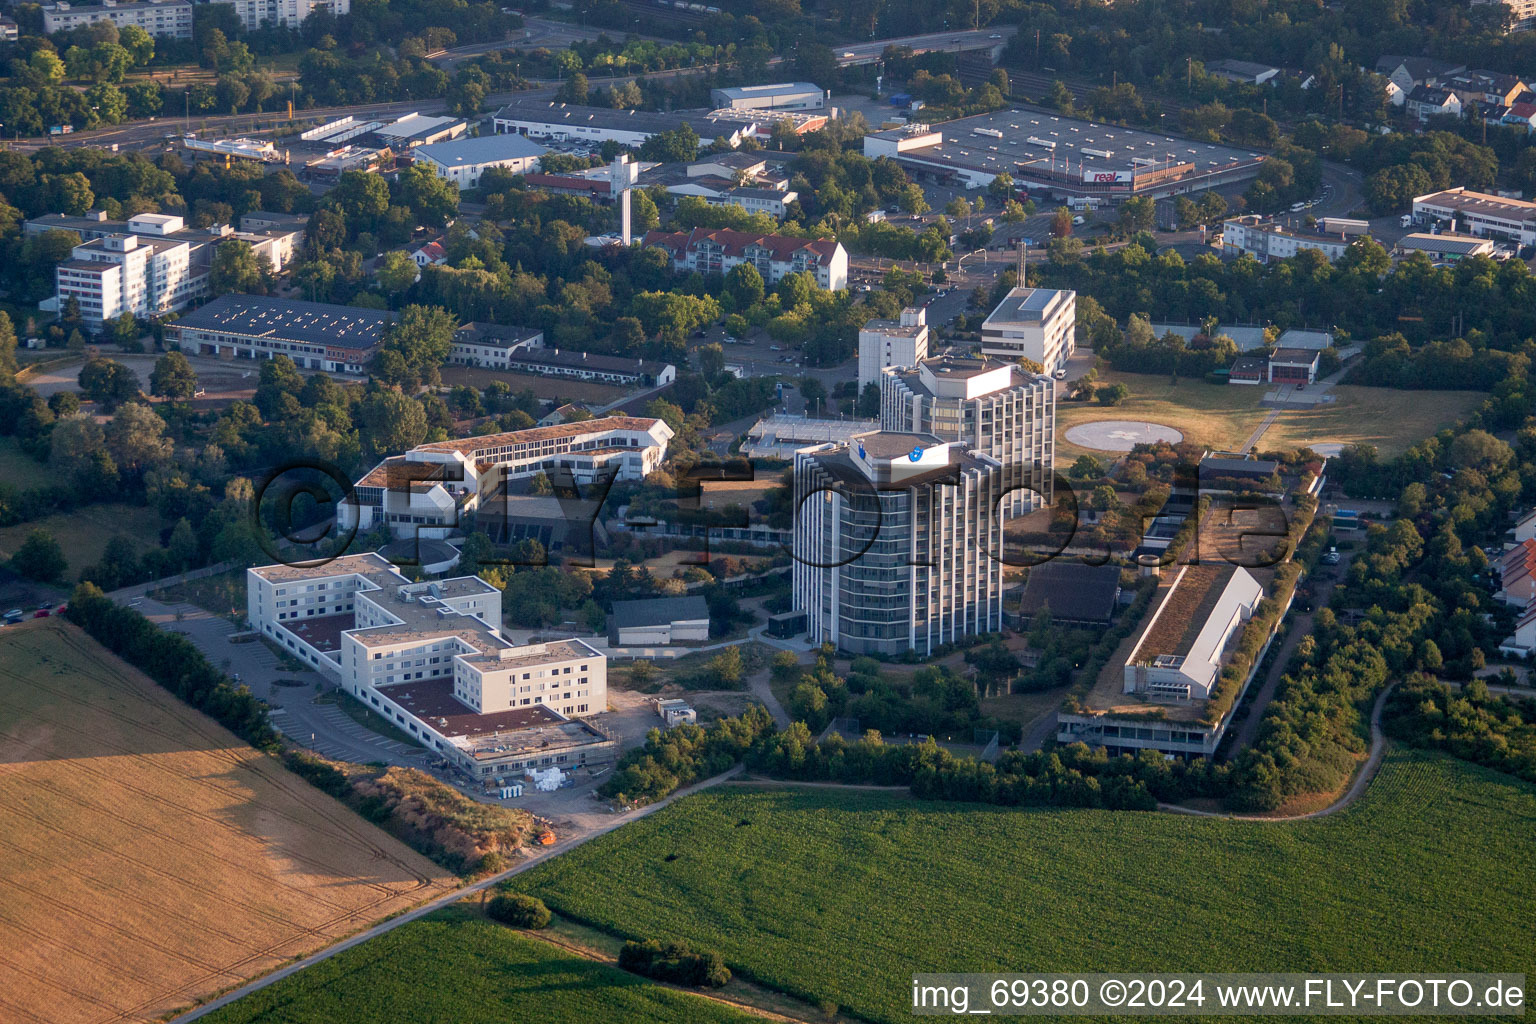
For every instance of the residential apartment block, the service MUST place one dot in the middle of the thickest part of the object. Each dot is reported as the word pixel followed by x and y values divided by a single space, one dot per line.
pixel 428 490
pixel 168 18
pixel 253 14
pixel 885 343
pixel 775 256
pixel 430 657
pixel 163 264
pixel 1036 323
pixel 898 543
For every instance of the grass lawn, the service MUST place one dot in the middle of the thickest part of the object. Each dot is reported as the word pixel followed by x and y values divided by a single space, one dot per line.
pixel 83 533
pixel 1224 415
pixel 1217 415
pixel 20 470
pixel 456 966
pixel 838 897
pixel 1388 418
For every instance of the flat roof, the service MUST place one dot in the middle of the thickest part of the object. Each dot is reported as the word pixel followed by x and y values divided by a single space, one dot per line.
pixel 1024 305
pixel 310 323
pixel 746 92
pixel 492 735
pixel 576 116
pixel 1481 203
pixel 1079 145
pixel 482 150
pixel 1444 243
pixel 1073 591
pixel 416 124
pixel 659 611
pixel 1299 356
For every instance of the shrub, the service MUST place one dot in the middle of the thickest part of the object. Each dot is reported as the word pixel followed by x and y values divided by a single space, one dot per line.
pixel 519 910
pixel 675 962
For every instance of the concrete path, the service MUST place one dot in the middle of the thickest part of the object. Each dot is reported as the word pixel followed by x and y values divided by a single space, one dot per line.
pixel 538 858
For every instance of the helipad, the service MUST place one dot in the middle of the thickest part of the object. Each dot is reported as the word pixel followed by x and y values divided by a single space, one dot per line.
pixel 1121 435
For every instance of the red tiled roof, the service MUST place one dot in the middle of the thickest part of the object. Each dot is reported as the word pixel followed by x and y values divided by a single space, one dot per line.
pixel 736 243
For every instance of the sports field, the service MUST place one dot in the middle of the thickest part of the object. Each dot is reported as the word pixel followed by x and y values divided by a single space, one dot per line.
pixel 838 897
pixel 455 966
pixel 149 857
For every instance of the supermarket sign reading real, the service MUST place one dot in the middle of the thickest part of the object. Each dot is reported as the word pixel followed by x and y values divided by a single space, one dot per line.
pixel 1109 177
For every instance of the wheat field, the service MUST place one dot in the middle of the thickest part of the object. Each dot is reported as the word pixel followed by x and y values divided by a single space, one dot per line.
pixel 148 857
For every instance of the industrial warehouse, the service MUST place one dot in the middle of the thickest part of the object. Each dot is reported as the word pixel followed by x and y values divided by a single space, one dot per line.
pixel 1061 156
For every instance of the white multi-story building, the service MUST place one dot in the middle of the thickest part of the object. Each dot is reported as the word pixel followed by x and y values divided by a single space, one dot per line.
pixel 430 657
pixel 161 263
pixel 1265 240
pixel 1478 213
pixel 988 406
pixel 1036 323
pixel 426 491
pixel 775 256
pixel 1521 13
pixel 898 543
pixel 884 343
pixel 127 274
pixel 463 161
pixel 167 18
pixel 253 14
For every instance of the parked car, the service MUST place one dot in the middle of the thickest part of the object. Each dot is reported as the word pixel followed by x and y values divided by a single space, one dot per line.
pixel 15 615
pixel 1331 556
pixel 42 613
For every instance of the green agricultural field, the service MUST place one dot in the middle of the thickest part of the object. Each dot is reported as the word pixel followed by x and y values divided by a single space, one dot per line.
pixel 838 897
pixel 456 966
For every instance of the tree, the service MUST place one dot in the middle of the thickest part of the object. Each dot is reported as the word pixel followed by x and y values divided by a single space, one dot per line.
pixel 1113 394
pixel 422 338
pixel 434 200
pixel 236 268
pixel 361 199
pixel 390 422
pixel 39 558
pixel 744 285
pixel 1061 223
pixel 726 668
pixel 911 199
pixel 108 382
pixel 7 347
pixel 1060 97
pixel 136 438
pixel 1001 187
pixel 123 331
pixel 173 378
pixel 396 271
pixel 139 44
pixel 642 211
pixel 868 406
pixel 815 394
pixel 518 910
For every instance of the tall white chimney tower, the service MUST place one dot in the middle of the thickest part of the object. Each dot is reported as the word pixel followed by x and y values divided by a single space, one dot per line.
pixel 623 174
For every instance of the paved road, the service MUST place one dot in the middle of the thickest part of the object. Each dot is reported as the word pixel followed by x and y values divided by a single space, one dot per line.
pixel 538 858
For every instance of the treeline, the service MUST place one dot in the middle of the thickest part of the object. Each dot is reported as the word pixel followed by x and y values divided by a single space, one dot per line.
pixel 174 662
pixel 1490 304
pixel 1068 776
pixel 933 700
pixel 684 755
pixel 1471 723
